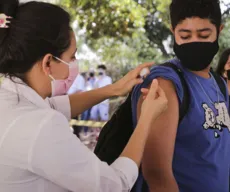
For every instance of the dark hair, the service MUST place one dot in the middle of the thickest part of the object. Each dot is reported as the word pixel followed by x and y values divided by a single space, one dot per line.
pixel 36 29
pixel 205 9
pixel 102 67
pixel 222 62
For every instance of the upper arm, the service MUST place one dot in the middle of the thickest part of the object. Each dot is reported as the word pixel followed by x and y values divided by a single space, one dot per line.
pixel 158 155
pixel 61 158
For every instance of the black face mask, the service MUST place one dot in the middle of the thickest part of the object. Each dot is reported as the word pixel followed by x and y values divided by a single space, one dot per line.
pixel 91 74
pixel 101 73
pixel 196 56
pixel 228 74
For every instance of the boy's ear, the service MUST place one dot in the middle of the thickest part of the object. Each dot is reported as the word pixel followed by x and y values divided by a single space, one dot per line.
pixel 221 27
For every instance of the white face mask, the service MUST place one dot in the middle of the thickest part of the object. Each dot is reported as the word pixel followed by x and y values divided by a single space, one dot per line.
pixel 101 72
pixel 61 87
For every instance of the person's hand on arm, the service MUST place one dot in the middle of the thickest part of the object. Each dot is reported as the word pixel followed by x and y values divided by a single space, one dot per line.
pixel 158 153
pixel 82 101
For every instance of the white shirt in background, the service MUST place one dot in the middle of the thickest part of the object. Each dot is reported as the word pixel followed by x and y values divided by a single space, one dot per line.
pixel 102 82
pixel 90 84
pixel 39 153
pixel 79 85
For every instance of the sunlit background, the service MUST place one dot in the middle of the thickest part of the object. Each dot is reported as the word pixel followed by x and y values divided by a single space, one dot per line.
pixel 124 33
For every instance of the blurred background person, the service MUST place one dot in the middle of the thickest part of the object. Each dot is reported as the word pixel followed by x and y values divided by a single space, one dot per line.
pixel 223 68
pixel 78 86
pixel 101 111
pixel 91 80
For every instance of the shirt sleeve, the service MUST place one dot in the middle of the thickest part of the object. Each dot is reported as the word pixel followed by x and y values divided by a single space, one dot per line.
pixel 61 104
pixel 58 156
pixel 107 81
pixel 110 80
pixel 164 72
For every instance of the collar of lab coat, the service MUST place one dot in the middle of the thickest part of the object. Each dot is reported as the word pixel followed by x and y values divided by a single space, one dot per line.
pixel 19 87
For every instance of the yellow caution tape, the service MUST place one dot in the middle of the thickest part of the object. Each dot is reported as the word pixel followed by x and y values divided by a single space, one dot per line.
pixel 1 79
pixel 93 124
pixel 117 100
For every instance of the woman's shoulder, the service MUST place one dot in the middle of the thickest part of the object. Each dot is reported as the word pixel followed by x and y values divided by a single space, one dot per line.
pixel 32 116
pixel 45 117
pixel 21 112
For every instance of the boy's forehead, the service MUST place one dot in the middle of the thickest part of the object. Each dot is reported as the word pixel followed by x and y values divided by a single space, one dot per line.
pixel 195 23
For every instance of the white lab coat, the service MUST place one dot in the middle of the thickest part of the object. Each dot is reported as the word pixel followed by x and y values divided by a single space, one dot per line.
pixel 101 111
pixel 38 152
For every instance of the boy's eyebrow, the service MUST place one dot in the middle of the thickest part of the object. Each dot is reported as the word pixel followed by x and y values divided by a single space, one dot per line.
pixel 198 30
pixel 185 30
pixel 204 30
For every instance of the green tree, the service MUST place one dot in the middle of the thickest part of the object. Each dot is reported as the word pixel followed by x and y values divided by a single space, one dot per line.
pixel 112 18
pixel 114 30
pixel 224 41
pixel 122 56
pixel 125 33
pixel 157 23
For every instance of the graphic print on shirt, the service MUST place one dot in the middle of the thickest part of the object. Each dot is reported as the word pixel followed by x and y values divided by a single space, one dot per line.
pixel 216 122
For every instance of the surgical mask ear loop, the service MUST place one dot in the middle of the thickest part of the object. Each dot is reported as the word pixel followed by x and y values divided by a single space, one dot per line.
pixel 51 77
pixel 61 60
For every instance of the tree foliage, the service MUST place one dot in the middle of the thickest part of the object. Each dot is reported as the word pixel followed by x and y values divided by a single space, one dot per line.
pixel 112 18
pixel 123 33
pixel 114 30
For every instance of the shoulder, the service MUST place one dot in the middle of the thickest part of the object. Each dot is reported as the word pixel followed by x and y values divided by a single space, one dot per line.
pixel 44 118
pixel 168 78
pixel 163 72
pixel 29 121
pixel 48 127
pixel 51 116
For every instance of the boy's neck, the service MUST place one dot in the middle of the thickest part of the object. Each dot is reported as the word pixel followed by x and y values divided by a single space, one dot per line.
pixel 204 73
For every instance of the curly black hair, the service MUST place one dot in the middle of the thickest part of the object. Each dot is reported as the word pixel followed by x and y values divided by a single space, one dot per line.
pixel 205 9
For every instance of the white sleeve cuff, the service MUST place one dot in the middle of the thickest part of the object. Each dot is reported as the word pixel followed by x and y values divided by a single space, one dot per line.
pixel 61 104
pixel 129 170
